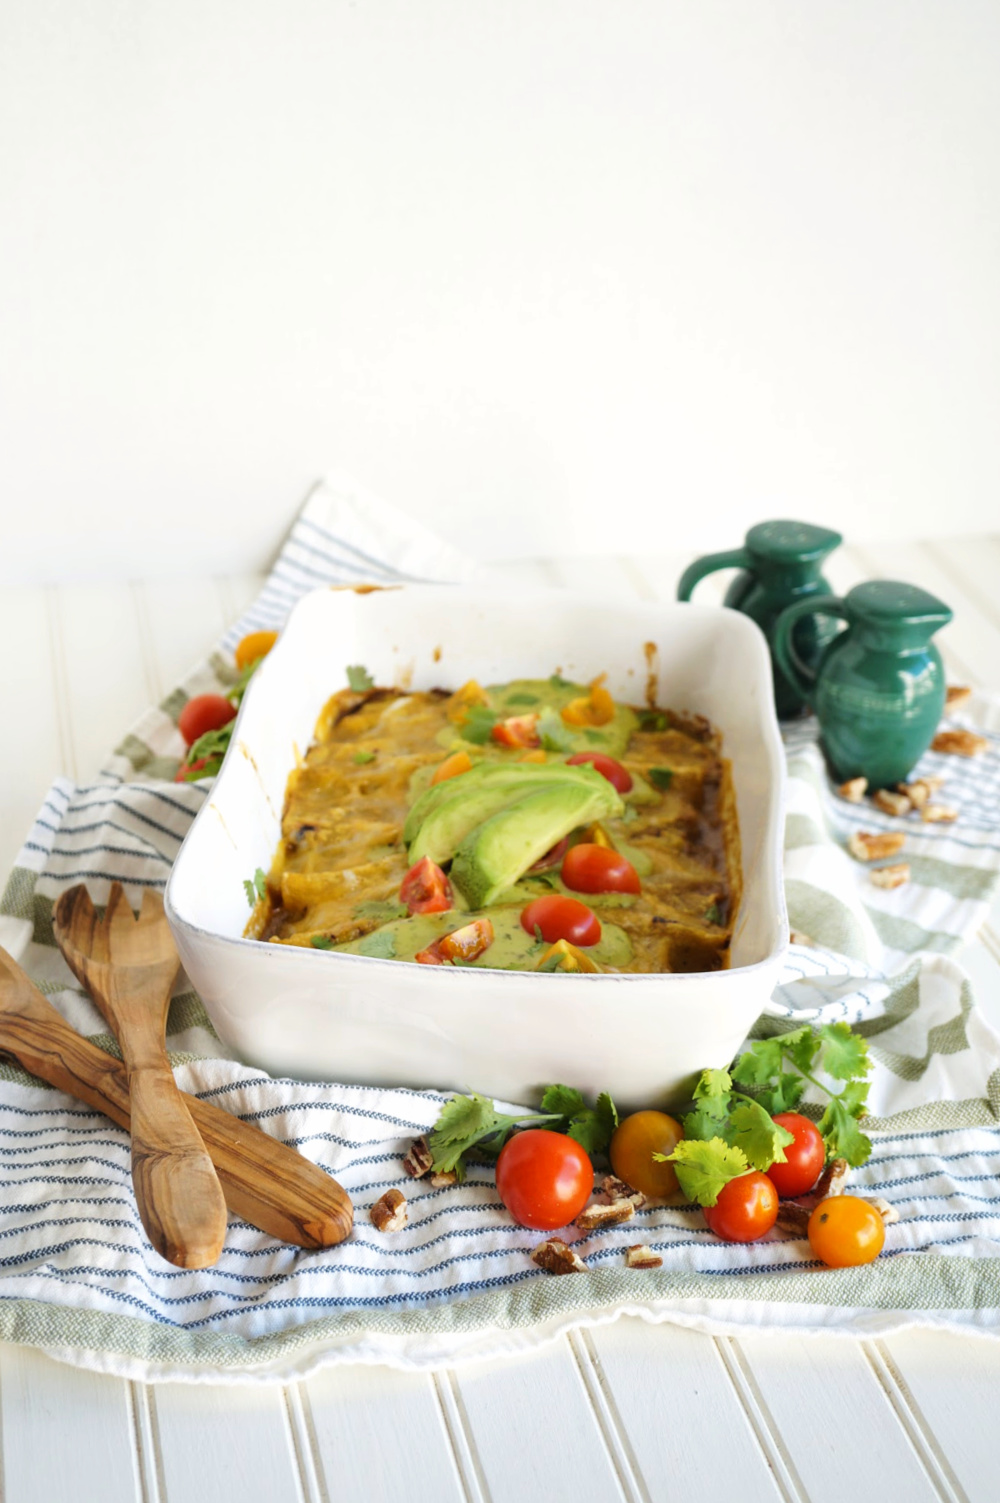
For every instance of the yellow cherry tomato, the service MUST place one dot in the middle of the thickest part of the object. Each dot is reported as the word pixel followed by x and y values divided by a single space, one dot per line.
pixel 845 1231
pixel 257 645
pixel 633 1144
pixel 451 767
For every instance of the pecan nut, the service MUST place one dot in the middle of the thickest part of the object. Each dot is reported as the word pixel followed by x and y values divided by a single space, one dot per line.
pixel 959 743
pixel 389 1213
pixel 442 1180
pixel 419 1160
pixel 867 847
pixel 956 695
pixel 853 790
pixel 613 1188
pixel 793 1218
pixel 831 1181
pixel 890 876
pixel 641 1256
pixel 555 1257
pixel 891 803
pixel 596 1215
pixel 938 814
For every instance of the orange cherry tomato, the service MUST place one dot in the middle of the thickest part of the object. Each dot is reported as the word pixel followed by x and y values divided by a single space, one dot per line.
pixel 595 868
pixel 257 644
pixel 635 1140
pixel 425 888
pixel 804 1156
pixel 205 712
pixel 746 1209
pixel 452 766
pixel 518 730
pixel 845 1231
pixel 618 776
pixel 544 1178
pixel 469 942
pixel 559 917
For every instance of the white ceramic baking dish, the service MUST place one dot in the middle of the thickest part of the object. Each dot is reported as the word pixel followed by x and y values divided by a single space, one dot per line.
pixel 323 1015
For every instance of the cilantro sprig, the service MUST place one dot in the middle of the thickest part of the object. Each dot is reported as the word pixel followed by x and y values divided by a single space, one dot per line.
pixel 472 1123
pixel 255 887
pixel 359 679
pixel 729 1131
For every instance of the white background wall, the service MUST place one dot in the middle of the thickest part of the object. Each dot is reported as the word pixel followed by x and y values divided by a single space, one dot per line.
pixel 535 269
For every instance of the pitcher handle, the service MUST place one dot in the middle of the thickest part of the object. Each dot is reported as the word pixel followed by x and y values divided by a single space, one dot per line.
pixel 799 674
pixel 736 558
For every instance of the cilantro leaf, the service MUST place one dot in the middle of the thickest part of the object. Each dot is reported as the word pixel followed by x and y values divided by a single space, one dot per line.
pixel 236 691
pixel 844 1053
pixel 255 887
pixel 359 678
pixel 712 1101
pixel 652 720
pixel 523 699
pixel 477 725
pixel 463 1122
pixel 854 1096
pixel 844 1138
pixel 713 914
pixel 321 942
pixel 711 1084
pixel 704 1169
pixel 592 1127
pixel 784 1095
pixel 381 945
pixel 753 1130
pixel 661 777
pixel 758 1064
pixel 361 757
pixel 552 732
pixel 562 1099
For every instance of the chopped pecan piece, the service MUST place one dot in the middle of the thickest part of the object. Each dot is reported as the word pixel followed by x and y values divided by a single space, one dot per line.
pixel 596 1215
pixel 853 790
pixel 890 876
pixel 888 1212
pixel 793 1218
pixel 444 1179
pixel 831 1181
pixel 917 792
pixel 891 803
pixel 641 1256
pixel 959 743
pixel 389 1213
pixel 613 1188
pixel 938 814
pixel 419 1161
pixel 956 695
pixel 867 847
pixel 555 1257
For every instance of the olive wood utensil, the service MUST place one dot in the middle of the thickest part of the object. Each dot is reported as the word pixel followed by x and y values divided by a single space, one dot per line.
pixel 129 966
pixel 264 1181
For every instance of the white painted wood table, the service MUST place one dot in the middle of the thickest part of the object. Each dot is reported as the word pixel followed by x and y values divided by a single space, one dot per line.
pixel 628 1411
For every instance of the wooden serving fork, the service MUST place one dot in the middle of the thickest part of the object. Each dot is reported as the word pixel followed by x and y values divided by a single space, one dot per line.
pixel 267 1183
pixel 128 965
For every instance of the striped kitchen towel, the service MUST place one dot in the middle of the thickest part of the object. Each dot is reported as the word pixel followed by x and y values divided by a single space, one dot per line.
pixel 79 1279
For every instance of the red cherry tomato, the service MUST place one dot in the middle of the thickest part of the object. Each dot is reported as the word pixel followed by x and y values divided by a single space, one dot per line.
pixel 562 918
pixel 597 868
pixel 746 1209
pixel 845 1231
pixel 519 730
pixel 425 888
pixel 544 1178
pixel 618 776
pixel 205 712
pixel 552 857
pixel 804 1157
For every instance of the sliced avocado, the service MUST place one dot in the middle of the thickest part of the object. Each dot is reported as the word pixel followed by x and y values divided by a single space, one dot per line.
pixel 446 826
pixel 512 775
pixel 497 852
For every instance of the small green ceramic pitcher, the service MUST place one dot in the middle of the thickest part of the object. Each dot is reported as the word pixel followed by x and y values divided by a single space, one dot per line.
pixel 781 564
pixel 880 685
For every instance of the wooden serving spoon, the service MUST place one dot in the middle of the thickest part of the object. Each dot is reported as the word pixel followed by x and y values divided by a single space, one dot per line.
pixel 128 965
pixel 265 1182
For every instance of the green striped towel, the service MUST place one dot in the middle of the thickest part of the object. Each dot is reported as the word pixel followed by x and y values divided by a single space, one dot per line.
pixel 79 1279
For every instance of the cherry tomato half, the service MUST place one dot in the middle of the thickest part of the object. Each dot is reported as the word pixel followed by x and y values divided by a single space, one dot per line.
pixel 596 868
pixel 205 712
pixel 845 1231
pixel 746 1209
pixel 467 943
pixel 633 1144
pixel 519 730
pixel 425 888
pixel 804 1157
pixel 544 1178
pixel 618 776
pixel 452 767
pixel 554 855
pixel 561 918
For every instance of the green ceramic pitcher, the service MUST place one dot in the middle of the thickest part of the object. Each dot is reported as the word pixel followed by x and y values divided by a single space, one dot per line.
pixel 780 564
pixel 879 689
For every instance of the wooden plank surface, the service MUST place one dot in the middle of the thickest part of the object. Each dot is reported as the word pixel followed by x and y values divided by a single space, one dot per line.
pixel 626 1411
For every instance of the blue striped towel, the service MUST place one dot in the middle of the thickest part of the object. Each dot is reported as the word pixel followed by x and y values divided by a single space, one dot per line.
pixel 79 1279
